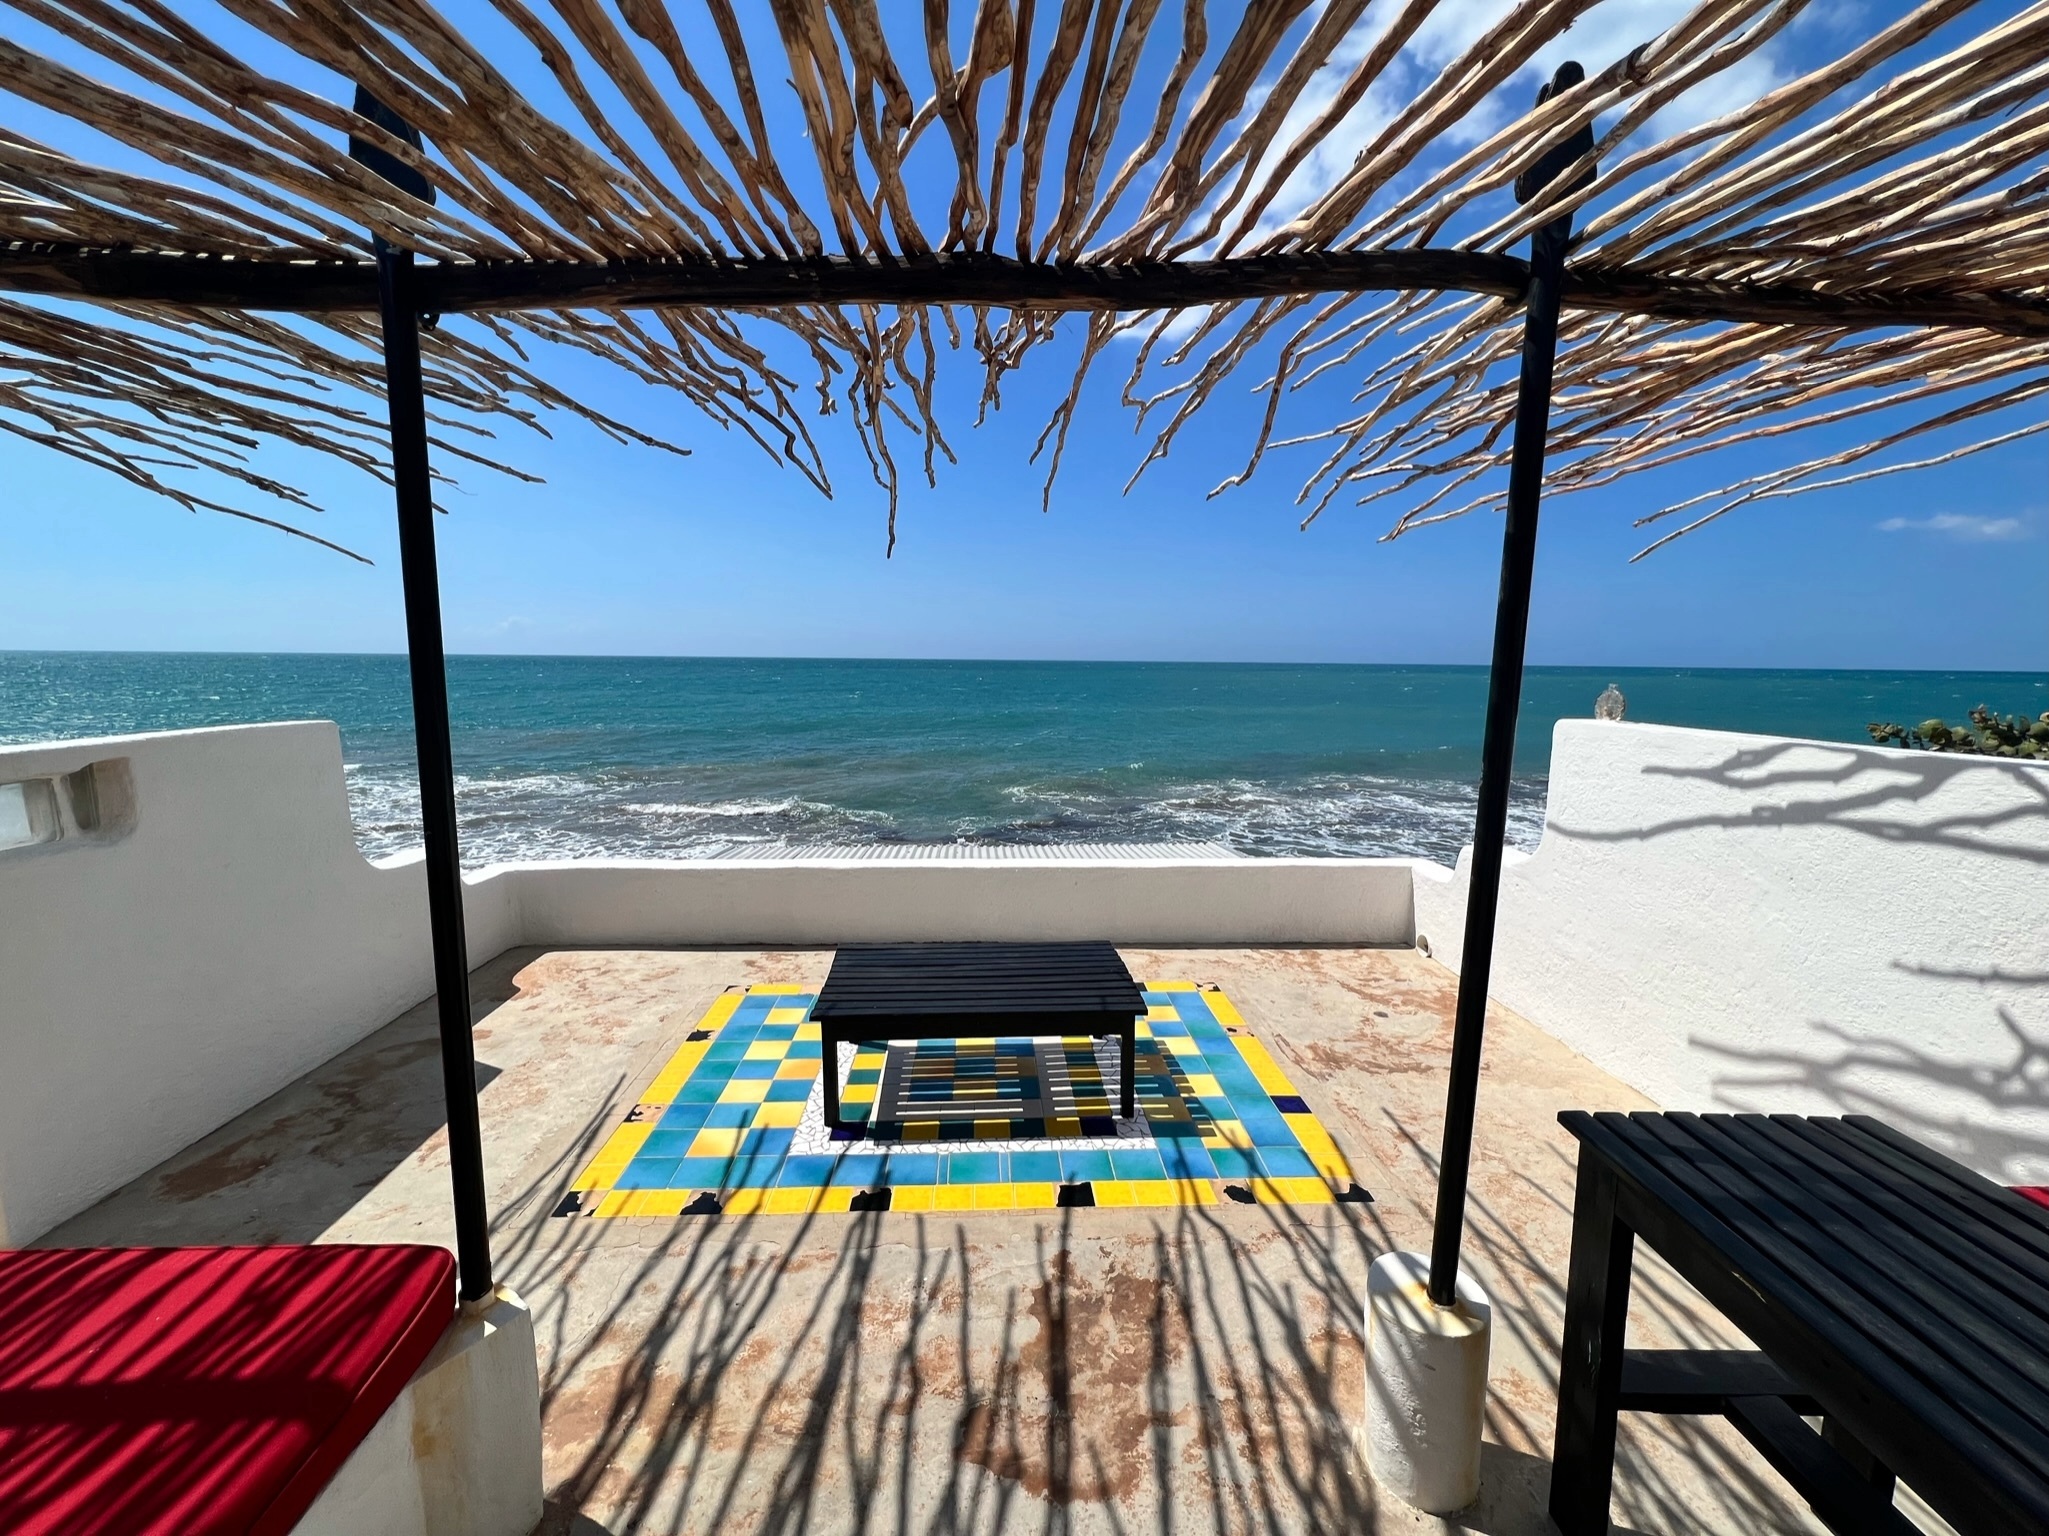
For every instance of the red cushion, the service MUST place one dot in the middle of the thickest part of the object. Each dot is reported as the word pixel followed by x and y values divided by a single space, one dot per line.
pixel 182 1390
pixel 2035 1192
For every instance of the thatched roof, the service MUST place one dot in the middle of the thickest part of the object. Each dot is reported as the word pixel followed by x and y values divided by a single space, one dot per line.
pixel 810 206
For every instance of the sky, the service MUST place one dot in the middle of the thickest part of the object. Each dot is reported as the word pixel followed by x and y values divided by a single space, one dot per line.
pixel 627 550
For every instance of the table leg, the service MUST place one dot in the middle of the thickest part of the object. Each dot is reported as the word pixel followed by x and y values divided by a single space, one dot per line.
pixel 1590 1364
pixel 1129 1040
pixel 829 1050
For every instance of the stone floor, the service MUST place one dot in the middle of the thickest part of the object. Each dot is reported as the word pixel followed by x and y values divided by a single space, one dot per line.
pixel 1076 1370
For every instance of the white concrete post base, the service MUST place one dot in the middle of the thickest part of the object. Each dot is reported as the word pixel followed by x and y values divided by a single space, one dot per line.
pixel 459 1452
pixel 1426 1385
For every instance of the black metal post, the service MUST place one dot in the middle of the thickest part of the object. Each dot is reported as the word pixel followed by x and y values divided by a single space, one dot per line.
pixel 1504 695
pixel 407 400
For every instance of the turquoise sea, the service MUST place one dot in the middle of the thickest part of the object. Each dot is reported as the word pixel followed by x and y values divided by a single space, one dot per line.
pixel 645 756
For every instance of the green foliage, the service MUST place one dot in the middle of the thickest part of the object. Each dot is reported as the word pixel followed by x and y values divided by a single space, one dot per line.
pixel 1989 735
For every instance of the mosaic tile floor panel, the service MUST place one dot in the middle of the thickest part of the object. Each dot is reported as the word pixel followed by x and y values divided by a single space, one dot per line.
pixel 735 1123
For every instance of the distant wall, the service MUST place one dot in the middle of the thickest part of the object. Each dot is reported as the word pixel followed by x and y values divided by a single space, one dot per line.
pixel 1752 923
pixel 218 935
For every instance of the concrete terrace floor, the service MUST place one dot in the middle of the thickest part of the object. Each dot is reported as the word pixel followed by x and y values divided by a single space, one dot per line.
pixel 1091 1370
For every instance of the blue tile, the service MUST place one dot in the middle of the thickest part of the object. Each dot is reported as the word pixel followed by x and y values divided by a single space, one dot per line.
pixel 1165 1028
pixel 1235 1162
pixel 1287 1163
pixel 1186 1160
pixel 648 1173
pixel 790 1090
pixel 729 1117
pixel 976 1168
pixel 776 1032
pixel 858 1171
pixel 682 1117
pixel 1085 1167
pixel 806 1172
pixel 806 1050
pixel 1035 1167
pixel 1217 1107
pixel 726 1052
pixel 754 1071
pixel 912 1168
pixel 1141 1164
pixel 774 1142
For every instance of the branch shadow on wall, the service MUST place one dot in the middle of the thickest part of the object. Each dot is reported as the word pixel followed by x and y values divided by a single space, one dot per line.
pixel 1837 799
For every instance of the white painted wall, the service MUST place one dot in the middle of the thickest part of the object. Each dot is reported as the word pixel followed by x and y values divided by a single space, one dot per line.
pixel 1753 923
pixel 161 977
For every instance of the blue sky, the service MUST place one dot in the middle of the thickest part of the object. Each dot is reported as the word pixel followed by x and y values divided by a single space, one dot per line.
pixel 627 550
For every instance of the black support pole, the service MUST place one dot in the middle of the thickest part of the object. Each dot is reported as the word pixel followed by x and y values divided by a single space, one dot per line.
pixel 407 400
pixel 1504 695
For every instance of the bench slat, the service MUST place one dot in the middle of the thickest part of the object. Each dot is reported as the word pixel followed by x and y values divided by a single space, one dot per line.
pixel 1843 1501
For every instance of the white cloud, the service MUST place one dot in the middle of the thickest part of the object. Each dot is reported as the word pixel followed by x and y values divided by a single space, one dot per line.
pixel 1969 527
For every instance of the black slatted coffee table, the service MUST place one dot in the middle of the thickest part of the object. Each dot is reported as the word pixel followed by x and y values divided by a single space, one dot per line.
pixel 882 992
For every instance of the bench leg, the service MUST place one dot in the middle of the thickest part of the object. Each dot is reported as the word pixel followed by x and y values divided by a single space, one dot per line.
pixel 1590 1367
pixel 829 1050
pixel 1129 1041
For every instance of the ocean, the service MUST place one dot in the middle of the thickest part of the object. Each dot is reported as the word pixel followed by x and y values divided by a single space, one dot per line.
pixel 567 757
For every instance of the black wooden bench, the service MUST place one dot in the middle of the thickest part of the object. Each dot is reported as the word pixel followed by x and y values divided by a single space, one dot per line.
pixel 972 992
pixel 1895 1294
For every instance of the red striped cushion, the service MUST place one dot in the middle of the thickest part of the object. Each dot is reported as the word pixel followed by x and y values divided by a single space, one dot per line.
pixel 189 1390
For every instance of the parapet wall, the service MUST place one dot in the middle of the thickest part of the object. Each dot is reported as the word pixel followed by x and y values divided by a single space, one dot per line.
pixel 1731 922
pixel 216 934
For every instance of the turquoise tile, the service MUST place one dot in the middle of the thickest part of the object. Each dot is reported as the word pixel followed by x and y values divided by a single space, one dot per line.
pixel 702 1089
pixel 753 1071
pixel 684 1117
pixel 1234 1162
pixel 772 1142
pixel 725 1052
pixel 806 1050
pixel 776 1032
pixel 667 1142
pixel 791 1090
pixel 976 1168
pixel 1141 1164
pixel 1035 1167
pixel 806 1172
pixel 1286 1163
pixel 1085 1167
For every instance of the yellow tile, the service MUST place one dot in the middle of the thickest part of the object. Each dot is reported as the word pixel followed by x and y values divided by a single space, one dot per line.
pixel 774 989
pixel 974 1047
pixel 744 1202
pixel 837 1200
pixel 714 1141
pixel 1036 1197
pixel 790 1070
pixel 1142 1032
pixel 614 1203
pixel 1223 1008
pixel 1204 1085
pixel 676 1072
pixel 1264 1067
pixel 1181 1045
pixel 624 1143
pixel 1116 1192
pixel 1165 1012
pixel 600 1175
pixel 1323 1152
pixel 994 1197
pixel 912 1197
pixel 855 1093
pixel 1291 1192
pixel 658 1202
pixel 1232 1133
pixel 953 1197
pixel 789 1202
pixel 745 1091
pixel 809 1032
pixel 1063 1125
pixel 869 1060
pixel 787 1015
pixel 921 1130
pixel 785 1116
pixel 1158 1192
pixel 768 1050
pixel 992 1130
pixel 1168 986
pixel 722 1010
